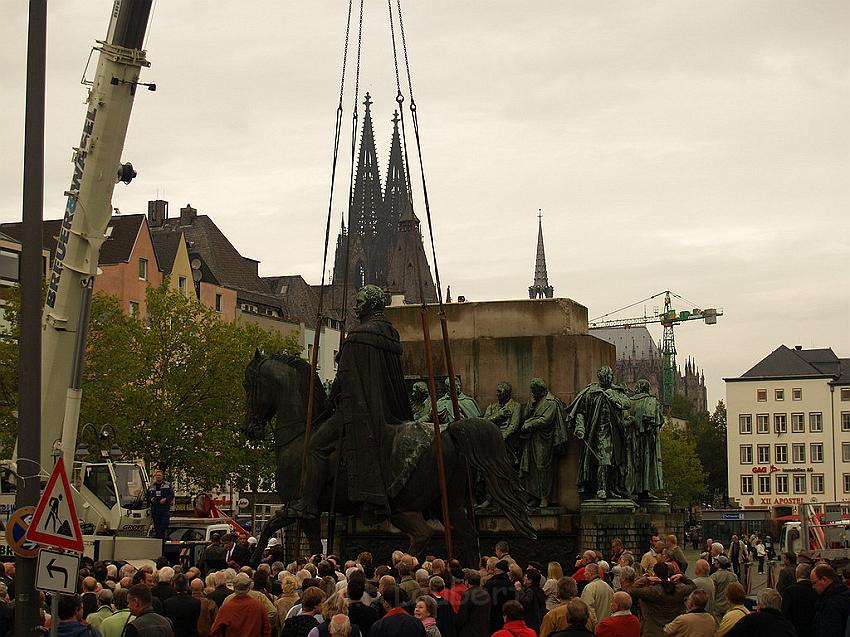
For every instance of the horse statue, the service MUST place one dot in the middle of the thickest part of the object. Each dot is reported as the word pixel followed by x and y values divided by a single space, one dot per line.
pixel 278 386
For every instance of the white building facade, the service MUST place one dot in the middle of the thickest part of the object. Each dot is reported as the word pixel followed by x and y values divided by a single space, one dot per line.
pixel 788 431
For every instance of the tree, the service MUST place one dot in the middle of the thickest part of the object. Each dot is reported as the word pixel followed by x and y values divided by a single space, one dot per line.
pixel 684 478
pixel 171 385
pixel 9 333
pixel 709 436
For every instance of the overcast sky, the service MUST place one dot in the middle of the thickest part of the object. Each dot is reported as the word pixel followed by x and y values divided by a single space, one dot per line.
pixel 702 147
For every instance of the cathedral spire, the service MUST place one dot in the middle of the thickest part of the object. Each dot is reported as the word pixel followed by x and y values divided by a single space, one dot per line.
pixel 540 288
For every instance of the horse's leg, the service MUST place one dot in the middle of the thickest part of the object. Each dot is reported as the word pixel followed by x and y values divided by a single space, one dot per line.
pixel 464 536
pixel 412 523
pixel 313 531
pixel 274 524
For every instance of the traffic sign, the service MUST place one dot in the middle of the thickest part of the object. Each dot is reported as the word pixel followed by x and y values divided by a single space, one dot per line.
pixel 16 533
pixel 57 572
pixel 55 520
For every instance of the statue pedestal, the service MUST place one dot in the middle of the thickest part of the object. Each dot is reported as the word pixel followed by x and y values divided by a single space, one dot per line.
pixel 634 523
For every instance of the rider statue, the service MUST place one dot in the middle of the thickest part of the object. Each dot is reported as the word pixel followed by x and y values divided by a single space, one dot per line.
pixel 367 394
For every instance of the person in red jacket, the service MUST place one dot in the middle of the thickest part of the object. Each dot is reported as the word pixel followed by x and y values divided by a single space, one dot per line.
pixel 514 624
pixel 621 622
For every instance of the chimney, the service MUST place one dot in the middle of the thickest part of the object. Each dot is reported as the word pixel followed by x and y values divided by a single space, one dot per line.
pixel 187 215
pixel 157 212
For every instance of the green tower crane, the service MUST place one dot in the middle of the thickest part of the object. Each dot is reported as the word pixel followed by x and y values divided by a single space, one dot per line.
pixel 668 318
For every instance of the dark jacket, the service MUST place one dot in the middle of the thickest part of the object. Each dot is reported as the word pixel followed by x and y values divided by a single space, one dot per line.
pixel 397 623
pixel 183 610
pixel 832 610
pixel 362 616
pixel 240 555
pixel 219 594
pixel 787 577
pixel 163 591
pixel 660 604
pixel 767 622
pixel 149 624
pixel 75 629
pixel 445 617
pixel 501 590
pixel 574 631
pixel 798 606
pixel 325 630
pixel 299 626
pixel 533 600
pixel 473 616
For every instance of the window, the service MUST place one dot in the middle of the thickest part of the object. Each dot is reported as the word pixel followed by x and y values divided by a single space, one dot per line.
pixel 815 422
pixel 845 393
pixel 780 423
pixel 781 453
pixel 218 302
pixel 845 421
pixel 797 394
pixel 746 454
pixel 761 395
pixel 781 483
pixel 764 484
pixel 134 309
pixel 745 423
pixel 845 451
pixel 764 454
pixel 817 483
pixel 799 483
pixel 746 485
pixel 143 269
pixel 10 268
pixel 816 450
pixel 779 394
pixel 847 483
pixel 798 423
pixel 762 423
pixel 799 452
pixel 181 285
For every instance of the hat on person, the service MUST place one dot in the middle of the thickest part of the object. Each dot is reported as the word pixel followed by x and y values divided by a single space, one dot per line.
pixel 252 540
pixel 502 565
pixel 273 542
pixel 724 561
pixel 241 584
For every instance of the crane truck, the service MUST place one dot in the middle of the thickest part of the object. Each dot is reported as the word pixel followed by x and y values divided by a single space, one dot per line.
pixel 109 495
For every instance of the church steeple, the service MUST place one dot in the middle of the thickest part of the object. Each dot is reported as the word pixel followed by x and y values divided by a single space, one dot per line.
pixel 540 288
pixel 397 202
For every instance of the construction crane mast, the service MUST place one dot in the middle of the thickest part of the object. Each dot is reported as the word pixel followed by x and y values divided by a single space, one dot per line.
pixel 668 318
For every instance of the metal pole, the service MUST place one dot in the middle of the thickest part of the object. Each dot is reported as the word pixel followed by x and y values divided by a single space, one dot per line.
pixel 438 440
pixel 29 364
pixel 54 614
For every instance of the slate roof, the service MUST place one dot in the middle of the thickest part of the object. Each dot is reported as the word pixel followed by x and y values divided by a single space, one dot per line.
pixel 166 245
pixel 116 249
pixel 784 362
pixel 222 262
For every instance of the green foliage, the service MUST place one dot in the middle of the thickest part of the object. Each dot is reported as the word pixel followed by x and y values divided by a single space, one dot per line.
pixel 171 385
pixel 9 369
pixel 709 436
pixel 684 477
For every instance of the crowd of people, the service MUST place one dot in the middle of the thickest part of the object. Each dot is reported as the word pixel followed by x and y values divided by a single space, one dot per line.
pixel 616 594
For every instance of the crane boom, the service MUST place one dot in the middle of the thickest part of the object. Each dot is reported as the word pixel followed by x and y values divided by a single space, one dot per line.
pixel 97 168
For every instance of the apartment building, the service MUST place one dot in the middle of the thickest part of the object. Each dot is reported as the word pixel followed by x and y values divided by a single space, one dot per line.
pixel 788 438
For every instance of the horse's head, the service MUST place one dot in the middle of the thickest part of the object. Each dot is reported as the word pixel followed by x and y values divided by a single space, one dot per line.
pixel 259 403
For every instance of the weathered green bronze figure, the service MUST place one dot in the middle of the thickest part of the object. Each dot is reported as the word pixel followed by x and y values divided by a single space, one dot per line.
pixel 468 406
pixel 542 430
pixel 647 419
pixel 420 401
pixel 598 420
pixel 506 413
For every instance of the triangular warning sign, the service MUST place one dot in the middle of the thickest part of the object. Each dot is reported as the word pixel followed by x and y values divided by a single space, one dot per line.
pixel 55 519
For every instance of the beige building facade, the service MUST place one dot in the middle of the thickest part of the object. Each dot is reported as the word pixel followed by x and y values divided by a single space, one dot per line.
pixel 788 437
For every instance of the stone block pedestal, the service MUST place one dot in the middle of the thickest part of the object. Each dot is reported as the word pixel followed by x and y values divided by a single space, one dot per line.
pixel 634 523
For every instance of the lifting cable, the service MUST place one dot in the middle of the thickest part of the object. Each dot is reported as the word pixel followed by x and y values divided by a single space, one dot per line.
pixel 320 310
pixel 441 310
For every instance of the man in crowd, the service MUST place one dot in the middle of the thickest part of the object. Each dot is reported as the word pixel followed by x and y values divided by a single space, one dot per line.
pixel 768 619
pixel 833 605
pixel 697 622
pixel 70 620
pixel 160 496
pixel 704 582
pixel 147 623
pixel 243 615
pixel 621 622
pixel 501 590
pixel 396 622
pixel 647 562
pixel 738 555
pixel 513 621
pixel 788 573
pixel 799 601
pixel 473 617
pixel 104 610
pixel 722 577
pixel 676 554
pixel 597 594
pixel 113 626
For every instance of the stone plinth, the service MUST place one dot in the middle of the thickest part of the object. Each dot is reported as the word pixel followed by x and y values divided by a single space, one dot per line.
pixel 513 341
pixel 634 525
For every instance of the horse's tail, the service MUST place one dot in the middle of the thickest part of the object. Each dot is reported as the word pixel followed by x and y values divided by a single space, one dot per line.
pixel 481 443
